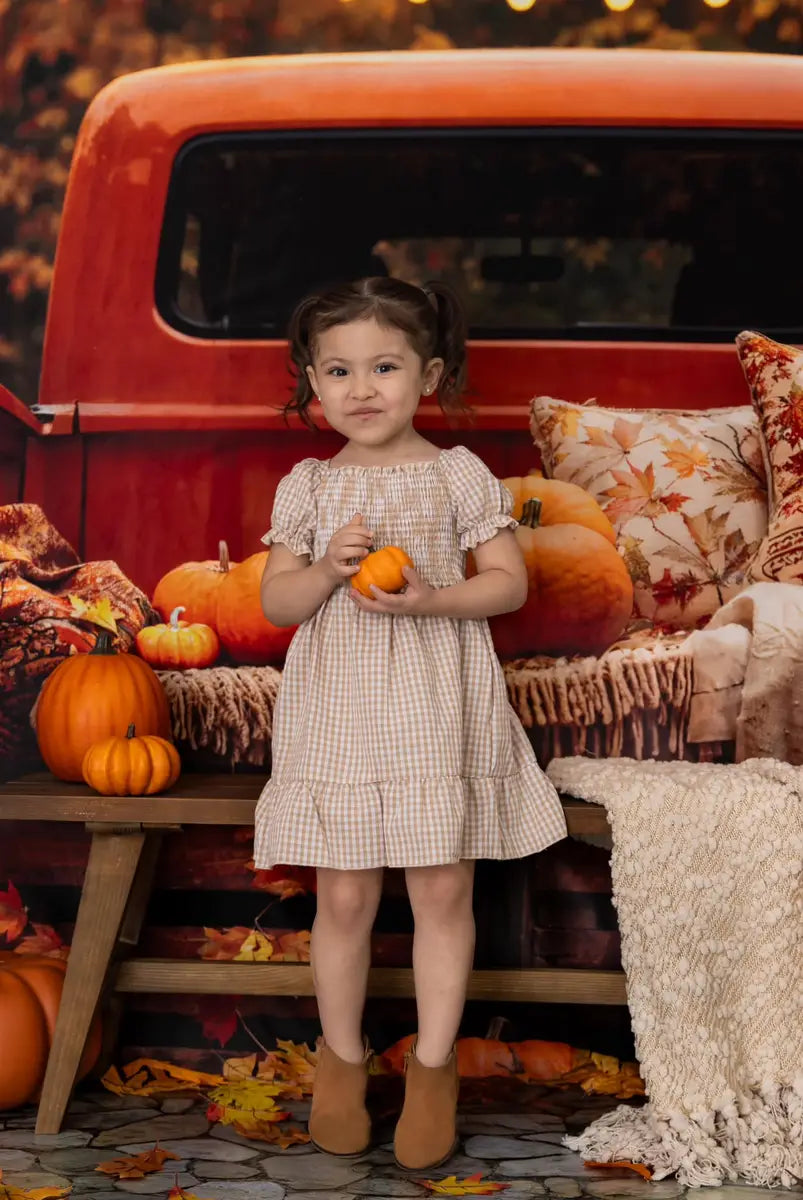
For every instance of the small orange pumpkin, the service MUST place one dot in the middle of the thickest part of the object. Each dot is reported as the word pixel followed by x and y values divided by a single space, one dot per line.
pixel 131 765
pixel 178 644
pixel 384 569
pixel 244 630
pixel 481 1058
pixel 94 696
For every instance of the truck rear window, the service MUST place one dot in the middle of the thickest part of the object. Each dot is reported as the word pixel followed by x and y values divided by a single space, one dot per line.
pixel 544 233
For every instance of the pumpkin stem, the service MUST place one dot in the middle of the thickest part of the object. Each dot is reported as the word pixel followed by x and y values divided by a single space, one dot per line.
pixel 495 1027
pixel 131 732
pixel 174 617
pixel 103 643
pixel 531 513
pixel 223 555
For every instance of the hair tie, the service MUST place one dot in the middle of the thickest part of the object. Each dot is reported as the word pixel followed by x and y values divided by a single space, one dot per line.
pixel 432 299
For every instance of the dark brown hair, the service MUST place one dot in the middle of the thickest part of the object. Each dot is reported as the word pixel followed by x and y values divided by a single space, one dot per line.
pixel 431 317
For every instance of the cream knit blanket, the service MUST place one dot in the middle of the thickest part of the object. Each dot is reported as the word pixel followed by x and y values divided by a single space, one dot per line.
pixel 707 868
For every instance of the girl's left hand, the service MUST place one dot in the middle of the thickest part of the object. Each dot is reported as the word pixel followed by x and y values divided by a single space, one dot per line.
pixel 414 601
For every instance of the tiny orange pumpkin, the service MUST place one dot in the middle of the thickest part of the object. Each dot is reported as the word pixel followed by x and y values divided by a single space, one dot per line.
pixel 178 644
pixel 384 569
pixel 131 765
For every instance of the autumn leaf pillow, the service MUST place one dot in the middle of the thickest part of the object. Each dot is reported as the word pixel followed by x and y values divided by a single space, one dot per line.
pixel 774 373
pixel 685 491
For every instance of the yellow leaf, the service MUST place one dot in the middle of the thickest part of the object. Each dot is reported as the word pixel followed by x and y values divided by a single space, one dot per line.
pixel 252 1095
pixel 257 947
pixel 235 1069
pixel 568 419
pixel 271 1132
pixel 98 613
pixel 605 1063
pixel 474 1185
pixel 150 1077
pixel 9 1192
pixel 682 458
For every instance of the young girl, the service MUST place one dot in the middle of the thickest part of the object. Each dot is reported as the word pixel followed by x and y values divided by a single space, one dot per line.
pixel 394 744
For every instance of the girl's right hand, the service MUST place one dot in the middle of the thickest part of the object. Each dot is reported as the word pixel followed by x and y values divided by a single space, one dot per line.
pixel 347 543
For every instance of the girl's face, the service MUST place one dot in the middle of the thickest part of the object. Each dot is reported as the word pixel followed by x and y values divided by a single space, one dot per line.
pixel 370 380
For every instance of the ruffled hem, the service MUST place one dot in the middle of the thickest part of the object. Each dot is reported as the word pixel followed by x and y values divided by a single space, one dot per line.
pixel 484 530
pixel 406 823
pixel 296 541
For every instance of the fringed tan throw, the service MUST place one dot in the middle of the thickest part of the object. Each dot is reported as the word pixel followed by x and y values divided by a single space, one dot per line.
pixel 633 701
pixel 707 868
pixel 226 710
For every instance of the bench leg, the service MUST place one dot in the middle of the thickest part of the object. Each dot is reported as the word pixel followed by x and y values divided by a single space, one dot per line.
pixel 128 936
pixel 113 860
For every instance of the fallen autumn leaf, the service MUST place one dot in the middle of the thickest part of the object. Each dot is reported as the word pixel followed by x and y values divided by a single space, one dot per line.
pixel 473 1185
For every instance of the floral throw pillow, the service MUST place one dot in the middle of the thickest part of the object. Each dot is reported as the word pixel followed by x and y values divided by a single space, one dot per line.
pixel 685 491
pixel 775 375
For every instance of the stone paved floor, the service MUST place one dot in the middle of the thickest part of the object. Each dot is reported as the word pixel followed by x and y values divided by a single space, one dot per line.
pixel 521 1148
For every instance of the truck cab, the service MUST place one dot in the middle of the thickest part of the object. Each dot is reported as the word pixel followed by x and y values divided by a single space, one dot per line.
pixel 611 219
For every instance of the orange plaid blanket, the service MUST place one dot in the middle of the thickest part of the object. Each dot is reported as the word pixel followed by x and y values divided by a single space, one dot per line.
pixel 40 573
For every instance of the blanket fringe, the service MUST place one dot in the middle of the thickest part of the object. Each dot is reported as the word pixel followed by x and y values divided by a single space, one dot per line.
pixel 227 710
pixel 756 1137
pixel 629 702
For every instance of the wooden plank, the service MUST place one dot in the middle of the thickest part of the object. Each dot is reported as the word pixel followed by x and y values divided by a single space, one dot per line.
pixel 195 800
pixel 538 984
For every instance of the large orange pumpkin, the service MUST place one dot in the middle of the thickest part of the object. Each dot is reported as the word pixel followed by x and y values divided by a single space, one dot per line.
pixel 561 503
pixel 30 994
pixel 94 696
pixel 193 586
pixel 539 1060
pixel 244 630
pixel 580 594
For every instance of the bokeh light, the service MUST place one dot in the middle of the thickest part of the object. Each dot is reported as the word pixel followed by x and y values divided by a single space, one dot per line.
pixel 520 5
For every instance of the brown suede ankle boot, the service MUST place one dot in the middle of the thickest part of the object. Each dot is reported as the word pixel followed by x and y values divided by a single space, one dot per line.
pixel 339 1121
pixel 426 1135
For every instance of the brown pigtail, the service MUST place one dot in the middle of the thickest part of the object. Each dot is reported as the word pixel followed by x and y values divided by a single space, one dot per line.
pixel 300 346
pixel 450 345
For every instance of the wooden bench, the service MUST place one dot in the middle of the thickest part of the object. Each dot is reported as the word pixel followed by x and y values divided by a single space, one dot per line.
pixel 126 838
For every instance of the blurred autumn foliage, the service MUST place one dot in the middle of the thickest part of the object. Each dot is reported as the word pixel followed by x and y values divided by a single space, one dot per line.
pixel 56 54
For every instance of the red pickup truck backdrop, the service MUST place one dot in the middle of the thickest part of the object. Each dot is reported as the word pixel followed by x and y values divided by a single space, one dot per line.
pixel 155 435
pixel 56 54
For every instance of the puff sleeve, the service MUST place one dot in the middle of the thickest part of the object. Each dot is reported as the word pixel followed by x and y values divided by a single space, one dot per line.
pixel 294 516
pixel 483 505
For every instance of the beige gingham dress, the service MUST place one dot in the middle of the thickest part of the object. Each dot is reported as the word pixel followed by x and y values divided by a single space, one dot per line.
pixel 394 743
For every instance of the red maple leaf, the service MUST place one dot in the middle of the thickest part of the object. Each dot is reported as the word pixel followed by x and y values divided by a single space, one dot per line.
pixel 219 1022
pixel 676 589
pixel 11 897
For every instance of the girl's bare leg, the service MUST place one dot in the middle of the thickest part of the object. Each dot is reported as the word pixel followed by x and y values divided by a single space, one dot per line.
pixel 443 951
pixel 341 954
